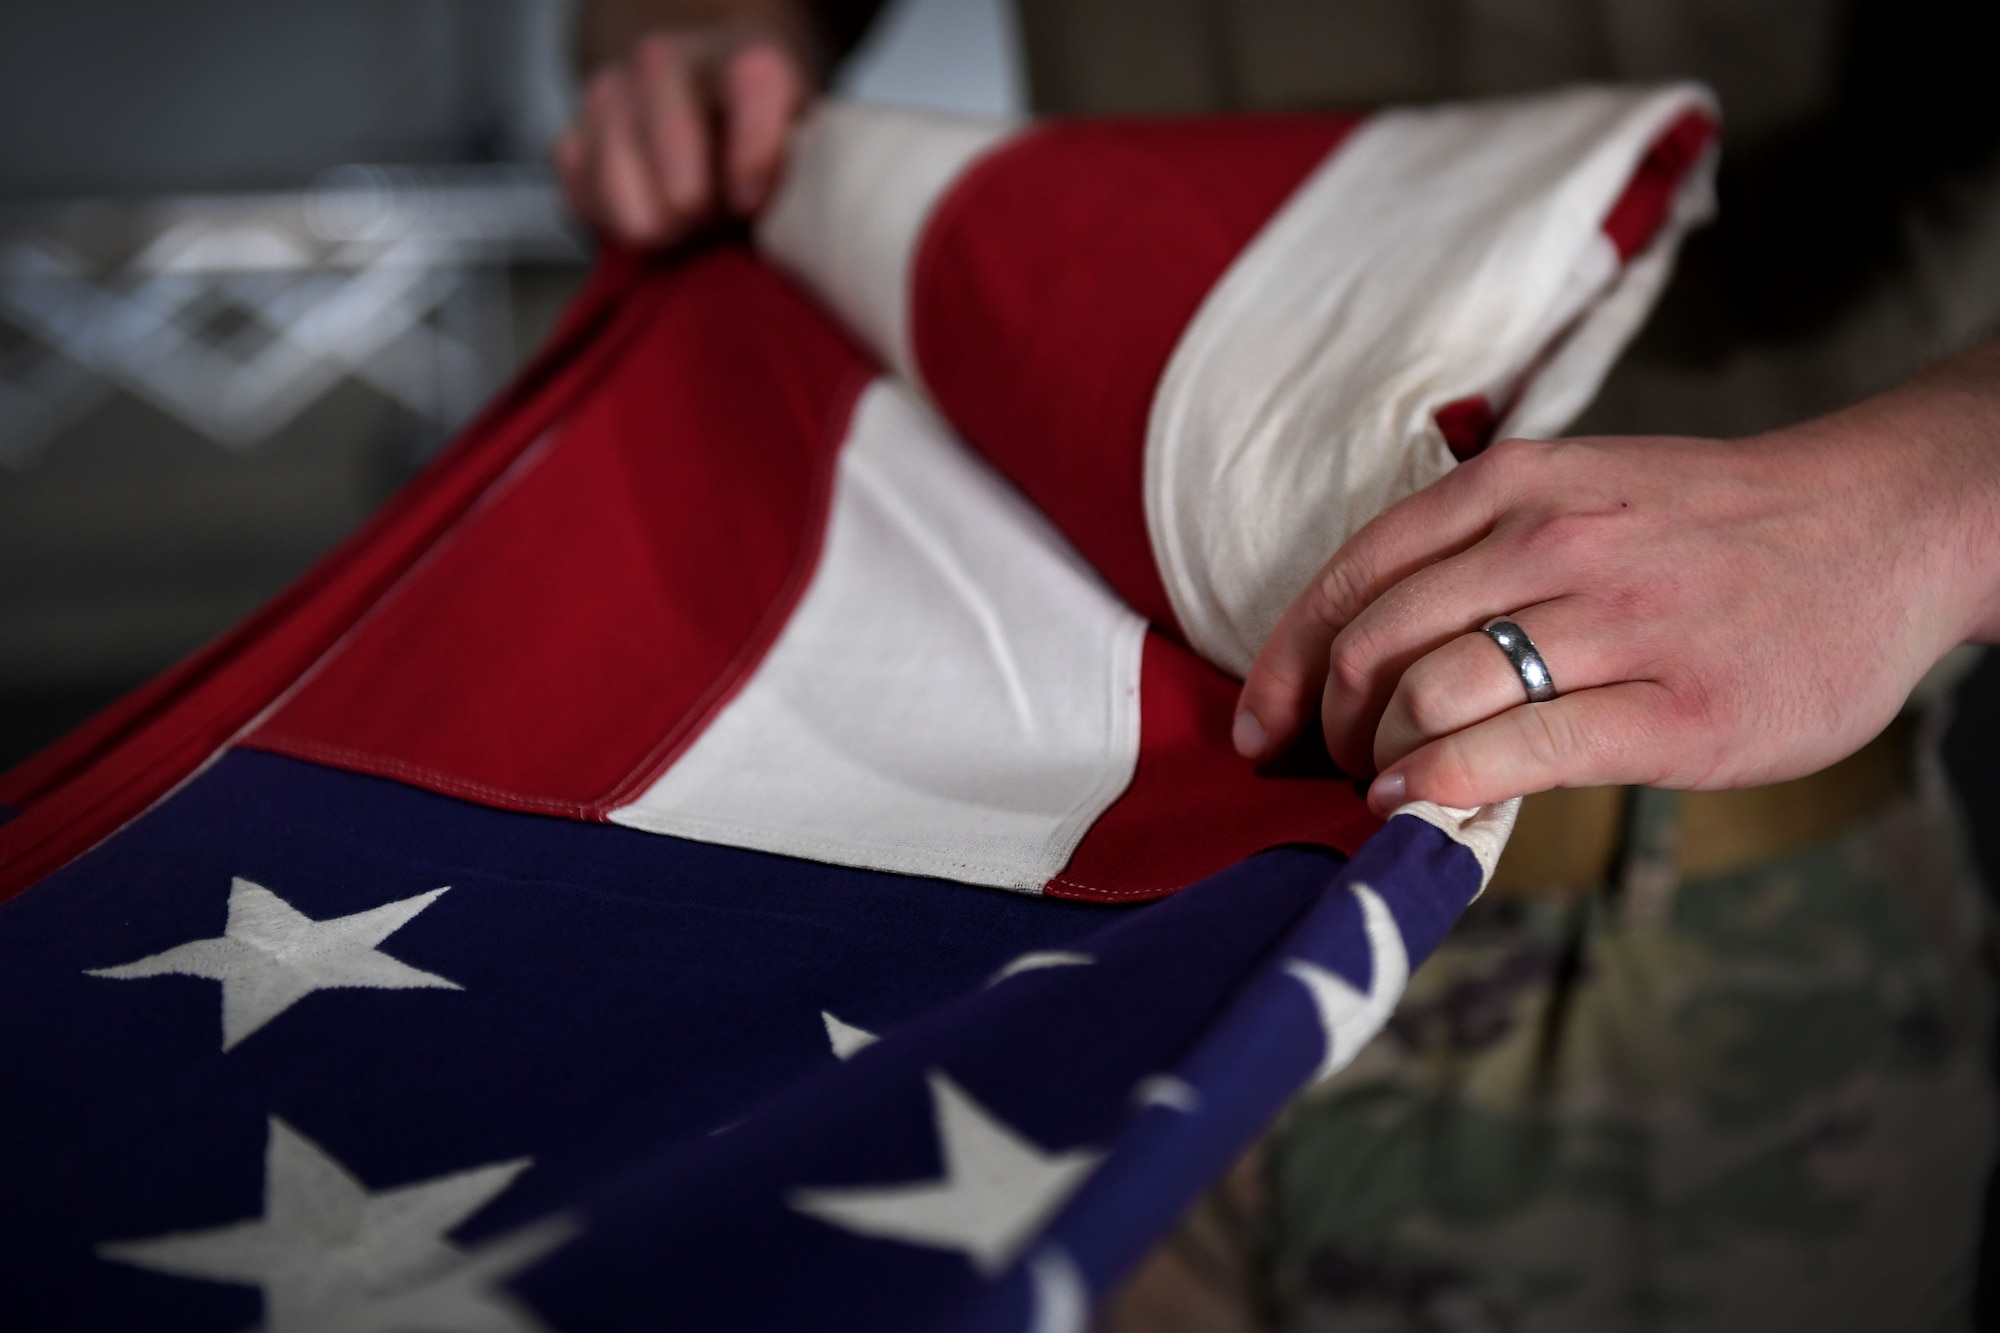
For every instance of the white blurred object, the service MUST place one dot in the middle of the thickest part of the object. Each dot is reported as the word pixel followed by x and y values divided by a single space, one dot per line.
pixel 948 55
pixel 235 313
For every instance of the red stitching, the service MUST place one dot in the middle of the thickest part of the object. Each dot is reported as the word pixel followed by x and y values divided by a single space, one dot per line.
pixel 381 766
pixel 1117 893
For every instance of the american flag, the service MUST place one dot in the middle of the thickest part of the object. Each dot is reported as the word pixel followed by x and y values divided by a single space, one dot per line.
pixel 749 838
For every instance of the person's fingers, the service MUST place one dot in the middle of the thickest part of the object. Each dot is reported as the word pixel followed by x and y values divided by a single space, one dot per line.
pixel 629 204
pixel 1284 686
pixel 1496 576
pixel 1392 633
pixel 673 116
pixel 763 89
pixel 1470 679
pixel 1631 732
pixel 571 155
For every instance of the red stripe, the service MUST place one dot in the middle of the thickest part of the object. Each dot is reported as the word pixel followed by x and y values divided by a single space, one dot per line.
pixel 1642 210
pixel 1053 283
pixel 1468 425
pixel 577 632
pixel 1194 806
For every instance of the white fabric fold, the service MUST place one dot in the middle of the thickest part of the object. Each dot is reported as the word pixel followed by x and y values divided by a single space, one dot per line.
pixel 957 694
pixel 1483 831
pixel 1436 255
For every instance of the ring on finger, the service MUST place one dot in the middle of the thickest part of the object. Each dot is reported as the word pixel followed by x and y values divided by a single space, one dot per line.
pixel 1524 657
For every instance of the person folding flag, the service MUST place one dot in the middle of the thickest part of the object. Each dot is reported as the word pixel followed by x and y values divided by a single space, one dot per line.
pixel 583 901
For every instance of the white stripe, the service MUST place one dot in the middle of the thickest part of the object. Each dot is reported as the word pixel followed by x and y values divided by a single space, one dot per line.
pixel 1564 386
pixel 1483 831
pixel 956 695
pixel 860 183
pixel 1434 256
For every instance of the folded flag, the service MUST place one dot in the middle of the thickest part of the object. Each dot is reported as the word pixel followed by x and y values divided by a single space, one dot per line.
pixel 573 904
pixel 1209 352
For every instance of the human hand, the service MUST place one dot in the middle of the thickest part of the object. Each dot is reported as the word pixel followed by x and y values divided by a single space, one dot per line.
pixel 1715 614
pixel 689 124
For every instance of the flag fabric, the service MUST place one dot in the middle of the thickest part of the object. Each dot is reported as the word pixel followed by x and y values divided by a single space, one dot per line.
pixel 573 905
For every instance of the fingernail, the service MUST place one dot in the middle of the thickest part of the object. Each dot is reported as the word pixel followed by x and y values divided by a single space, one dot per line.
pixel 1248 735
pixel 1386 793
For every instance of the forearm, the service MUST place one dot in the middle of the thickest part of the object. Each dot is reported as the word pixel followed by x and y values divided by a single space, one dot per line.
pixel 608 29
pixel 1929 451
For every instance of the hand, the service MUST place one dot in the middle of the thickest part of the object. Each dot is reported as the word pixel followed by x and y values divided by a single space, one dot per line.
pixel 1715 614
pixel 690 124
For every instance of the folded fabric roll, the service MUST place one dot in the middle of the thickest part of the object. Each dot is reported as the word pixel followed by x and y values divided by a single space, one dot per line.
pixel 708 572
pixel 747 590
pixel 1210 350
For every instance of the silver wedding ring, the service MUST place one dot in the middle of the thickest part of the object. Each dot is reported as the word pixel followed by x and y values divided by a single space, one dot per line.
pixel 1528 663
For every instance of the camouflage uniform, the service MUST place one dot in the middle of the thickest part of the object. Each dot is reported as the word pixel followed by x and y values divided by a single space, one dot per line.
pixel 1763 1105
pixel 1758 1101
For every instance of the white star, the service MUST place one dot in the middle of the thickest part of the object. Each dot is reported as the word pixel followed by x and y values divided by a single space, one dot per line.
pixel 1347 1017
pixel 1174 1093
pixel 997 1189
pixel 461 1299
pixel 1038 959
pixel 846 1039
pixel 270 956
pixel 1062 1297
pixel 331 1255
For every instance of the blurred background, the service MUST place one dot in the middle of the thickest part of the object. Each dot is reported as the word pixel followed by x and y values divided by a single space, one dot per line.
pixel 257 262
